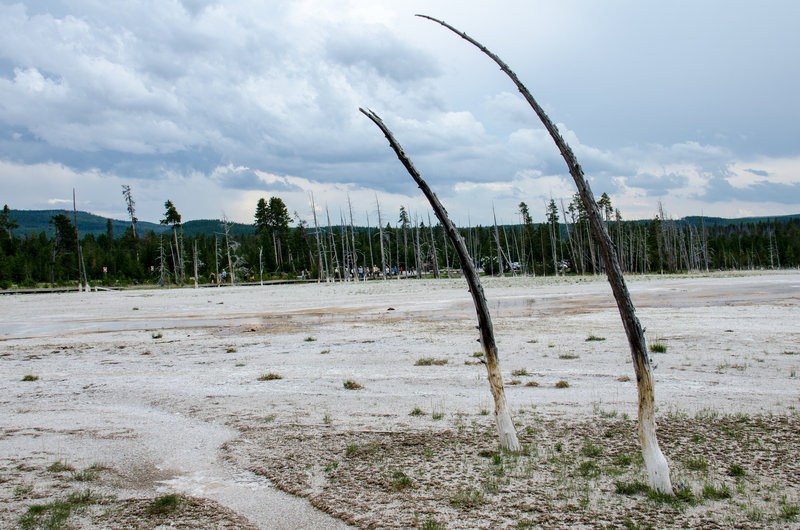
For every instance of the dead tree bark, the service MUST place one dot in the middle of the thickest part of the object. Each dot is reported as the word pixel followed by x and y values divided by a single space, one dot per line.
pixel 656 464
pixel 502 415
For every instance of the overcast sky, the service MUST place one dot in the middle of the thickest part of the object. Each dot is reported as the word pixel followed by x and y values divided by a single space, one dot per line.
pixel 216 104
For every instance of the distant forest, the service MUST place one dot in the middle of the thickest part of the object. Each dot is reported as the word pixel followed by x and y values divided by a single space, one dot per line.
pixel 43 248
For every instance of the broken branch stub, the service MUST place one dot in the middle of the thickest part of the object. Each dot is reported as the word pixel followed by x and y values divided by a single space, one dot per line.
pixel 505 425
pixel 656 464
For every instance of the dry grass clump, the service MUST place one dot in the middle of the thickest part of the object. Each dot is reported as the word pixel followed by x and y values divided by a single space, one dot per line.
pixel 429 361
pixel 352 385
pixel 269 377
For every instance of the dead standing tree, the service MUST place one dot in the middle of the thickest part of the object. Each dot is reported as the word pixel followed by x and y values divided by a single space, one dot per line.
pixel 656 464
pixel 502 416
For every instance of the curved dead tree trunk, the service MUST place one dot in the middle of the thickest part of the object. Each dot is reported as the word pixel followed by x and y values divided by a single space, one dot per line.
pixel 502 416
pixel 656 464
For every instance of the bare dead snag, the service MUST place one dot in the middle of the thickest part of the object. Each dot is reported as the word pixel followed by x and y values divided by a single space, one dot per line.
pixel 502 416
pixel 656 464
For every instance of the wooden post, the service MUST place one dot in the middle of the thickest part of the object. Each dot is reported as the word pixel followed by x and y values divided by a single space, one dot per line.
pixel 502 415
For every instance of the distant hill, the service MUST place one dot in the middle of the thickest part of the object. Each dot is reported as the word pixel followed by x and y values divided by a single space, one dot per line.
pixel 712 221
pixel 36 221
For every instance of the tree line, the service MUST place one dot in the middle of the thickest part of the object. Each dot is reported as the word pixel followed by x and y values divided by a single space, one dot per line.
pixel 334 248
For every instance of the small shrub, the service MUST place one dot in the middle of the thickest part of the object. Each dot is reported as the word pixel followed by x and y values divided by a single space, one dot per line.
pixel 269 377
pixel 562 384
pixel 352 385
pixel 591 338
pixel 657 346
pixel 30 377
pixel 568 356
pixel 164 504
pixel 735 470
pixel 437 415
pixel 331 466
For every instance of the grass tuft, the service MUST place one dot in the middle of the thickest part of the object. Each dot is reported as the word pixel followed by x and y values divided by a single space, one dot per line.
pixel 416 411
pixel 164 504
pixel 428 361
pixel 269 377
pixel 30 377
pixel 591 338
pixel 520 372
pixel 352 385
pixel 562 384
pixel 657 346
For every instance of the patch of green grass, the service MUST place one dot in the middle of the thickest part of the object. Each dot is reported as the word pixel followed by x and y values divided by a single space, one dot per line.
pixel 416 411
pixel 477 354
pixel 716 493
pixel 789 512
pixel 791 353
pixel 270 418
pixel 437 415
pixel 23 489
pixel 30 377
pixel 401 481
pixel 59 466
pixel 87 475
pixel 588 469
pixel 484 412
pixel 164 504
pixel 157 335
pixel 697 463
pixel 568 356
pixel 520 372
pixel 269 377
pixel 622 460
pixel 467 497
pixel 55 514
pixel 562 384
pixel 351 385
pixel 591 338
pixel 631 488
pixel 239 365
pixel 431 524
pixel 309 339
pixel 658 346
pixel 429 361
pixel 591 450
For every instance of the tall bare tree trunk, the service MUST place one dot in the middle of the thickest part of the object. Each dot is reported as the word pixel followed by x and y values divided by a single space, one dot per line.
pixel 380 230
pixel 656 464
pixel 505 425
pixel 319 246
